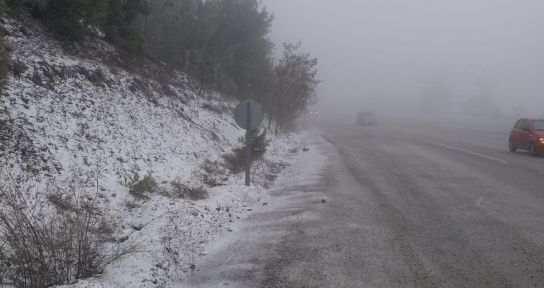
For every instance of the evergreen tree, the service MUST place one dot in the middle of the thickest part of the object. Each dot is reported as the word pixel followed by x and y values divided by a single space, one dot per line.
pixel 73 19
pixel 119 26
pixel 222 43
pixel 295 85
pixel 4 55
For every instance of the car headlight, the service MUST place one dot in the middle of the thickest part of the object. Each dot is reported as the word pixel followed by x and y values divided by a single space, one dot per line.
pixel 541 140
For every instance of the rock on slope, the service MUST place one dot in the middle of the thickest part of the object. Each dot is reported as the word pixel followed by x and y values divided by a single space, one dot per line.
pixel 82 117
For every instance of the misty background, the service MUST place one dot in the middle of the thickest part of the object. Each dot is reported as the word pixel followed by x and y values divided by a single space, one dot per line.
pixel 482 57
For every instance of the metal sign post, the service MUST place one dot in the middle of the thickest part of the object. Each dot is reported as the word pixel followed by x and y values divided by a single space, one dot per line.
pixel 248 115
pixel 248 143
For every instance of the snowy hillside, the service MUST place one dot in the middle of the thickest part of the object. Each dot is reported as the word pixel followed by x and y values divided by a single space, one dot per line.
pixel 79 121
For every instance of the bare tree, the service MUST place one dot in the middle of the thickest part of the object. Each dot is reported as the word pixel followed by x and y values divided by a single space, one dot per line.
pixel 45 245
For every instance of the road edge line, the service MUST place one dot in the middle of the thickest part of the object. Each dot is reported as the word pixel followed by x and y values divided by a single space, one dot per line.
pixel 453 148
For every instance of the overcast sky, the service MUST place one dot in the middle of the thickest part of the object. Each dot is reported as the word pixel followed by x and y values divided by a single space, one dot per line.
pixel 387 51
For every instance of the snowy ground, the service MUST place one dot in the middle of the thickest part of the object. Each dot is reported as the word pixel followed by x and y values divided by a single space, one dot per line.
pixel 199 229
pixel 296 198
pixel 78 122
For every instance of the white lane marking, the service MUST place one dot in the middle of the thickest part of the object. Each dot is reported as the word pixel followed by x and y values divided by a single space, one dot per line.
pixel 468 152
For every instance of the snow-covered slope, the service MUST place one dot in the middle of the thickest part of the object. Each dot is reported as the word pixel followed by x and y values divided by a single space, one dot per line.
pixel 84 113
pixel 80 118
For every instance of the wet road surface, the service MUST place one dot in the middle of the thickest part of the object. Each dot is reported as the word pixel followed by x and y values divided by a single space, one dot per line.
pixel 407 205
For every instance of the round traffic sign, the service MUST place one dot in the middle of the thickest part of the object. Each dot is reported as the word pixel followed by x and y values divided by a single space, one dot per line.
pixel 249 115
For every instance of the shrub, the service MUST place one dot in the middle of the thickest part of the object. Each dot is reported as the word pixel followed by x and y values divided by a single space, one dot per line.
pixel 131 205
pixel 199 193
pixel 42 249
pixel 214 173
pixel 236 160
pixel 259 143
pixel 182 191
pixel 138 188
pixel 60 203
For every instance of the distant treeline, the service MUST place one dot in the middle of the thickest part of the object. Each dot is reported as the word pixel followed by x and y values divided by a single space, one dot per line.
pixel 223 44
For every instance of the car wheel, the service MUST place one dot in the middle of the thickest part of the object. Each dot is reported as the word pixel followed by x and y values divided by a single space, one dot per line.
pixel 533 150
pixel 511 146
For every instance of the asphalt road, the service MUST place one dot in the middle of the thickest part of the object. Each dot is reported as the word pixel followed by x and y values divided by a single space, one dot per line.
pixel 408 205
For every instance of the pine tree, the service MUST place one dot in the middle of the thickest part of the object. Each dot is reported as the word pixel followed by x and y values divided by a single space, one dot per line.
pixel 4 55
pixel 73 19
pixel 119 26
pixel 295 85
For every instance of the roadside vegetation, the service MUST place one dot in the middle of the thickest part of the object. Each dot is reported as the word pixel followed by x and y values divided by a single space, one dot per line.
pixel 236 160
pixel 54 236
pixel 223 44
pixel 59 242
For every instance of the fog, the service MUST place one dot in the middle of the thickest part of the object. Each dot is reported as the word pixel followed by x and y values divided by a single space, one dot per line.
pixel 396 56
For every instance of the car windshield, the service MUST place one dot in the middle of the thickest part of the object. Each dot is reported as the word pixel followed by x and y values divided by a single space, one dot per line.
pixel 538 125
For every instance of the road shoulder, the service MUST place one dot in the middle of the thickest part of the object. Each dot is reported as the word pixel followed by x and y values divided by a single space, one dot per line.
pixel 242 258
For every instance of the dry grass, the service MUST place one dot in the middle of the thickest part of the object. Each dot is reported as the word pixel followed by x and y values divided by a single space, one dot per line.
pixel 41 248
pixel 182 191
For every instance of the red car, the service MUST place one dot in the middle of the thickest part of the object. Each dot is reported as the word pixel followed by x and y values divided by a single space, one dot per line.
pixel 528 134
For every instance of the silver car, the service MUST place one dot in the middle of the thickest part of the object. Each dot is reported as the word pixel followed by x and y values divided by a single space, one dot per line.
pixel 366 118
